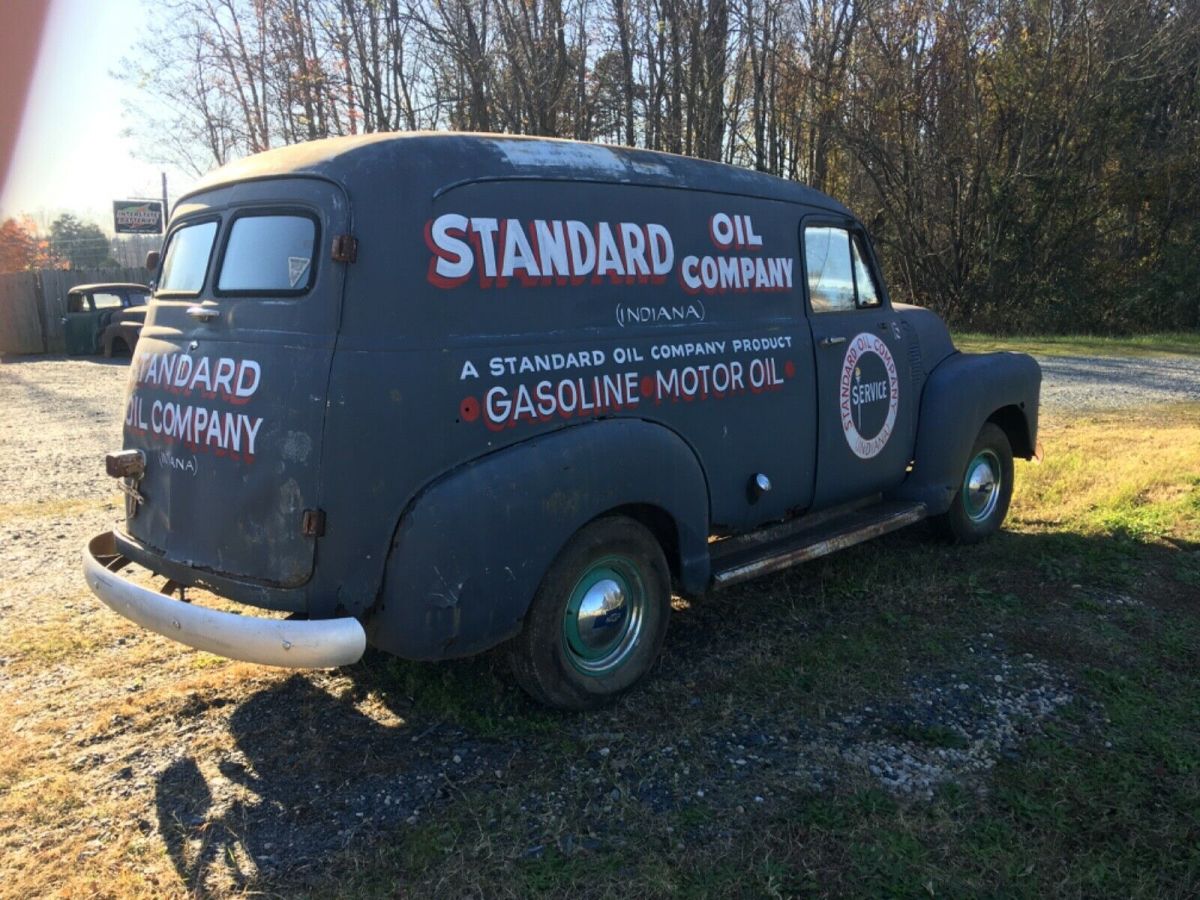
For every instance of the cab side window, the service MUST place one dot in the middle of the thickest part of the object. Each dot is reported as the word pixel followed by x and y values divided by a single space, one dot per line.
pixel 839 276
pixel 868 293
pixel 76 303
pixel 830 279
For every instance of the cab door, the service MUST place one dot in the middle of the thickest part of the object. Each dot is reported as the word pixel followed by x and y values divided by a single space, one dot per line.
pixel 865 405
pixel 81 324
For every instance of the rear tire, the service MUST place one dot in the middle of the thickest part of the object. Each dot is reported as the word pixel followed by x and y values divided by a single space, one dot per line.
pixel 598 619
pixel 984 492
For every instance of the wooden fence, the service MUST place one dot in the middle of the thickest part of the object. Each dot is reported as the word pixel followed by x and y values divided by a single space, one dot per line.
pixel 32 305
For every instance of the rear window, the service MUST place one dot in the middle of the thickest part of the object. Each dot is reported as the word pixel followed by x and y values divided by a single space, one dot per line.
pixel 106 301
pixel 269 254
pixel 187 258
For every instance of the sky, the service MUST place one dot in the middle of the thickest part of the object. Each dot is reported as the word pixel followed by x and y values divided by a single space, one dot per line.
pixel 70 155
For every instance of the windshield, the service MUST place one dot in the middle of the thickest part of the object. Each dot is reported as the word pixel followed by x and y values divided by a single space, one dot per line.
pixel 269 254
pixel 187 258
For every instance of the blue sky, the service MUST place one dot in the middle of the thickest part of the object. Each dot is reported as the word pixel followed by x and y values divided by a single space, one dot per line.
pixel 70 155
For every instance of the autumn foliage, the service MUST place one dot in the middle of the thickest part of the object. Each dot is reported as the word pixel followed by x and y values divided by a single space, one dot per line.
pixel 21 248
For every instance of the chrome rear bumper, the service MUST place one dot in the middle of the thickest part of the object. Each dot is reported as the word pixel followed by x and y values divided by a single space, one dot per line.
pixel 292 643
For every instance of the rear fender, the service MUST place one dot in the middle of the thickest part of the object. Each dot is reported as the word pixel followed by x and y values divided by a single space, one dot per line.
pixel 470 550
pixel 964 392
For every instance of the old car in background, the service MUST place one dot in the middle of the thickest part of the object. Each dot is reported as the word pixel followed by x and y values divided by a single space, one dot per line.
pixel 105 317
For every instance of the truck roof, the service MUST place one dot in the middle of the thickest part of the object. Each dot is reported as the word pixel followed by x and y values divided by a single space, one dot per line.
pixel 108 286
pixel 446 159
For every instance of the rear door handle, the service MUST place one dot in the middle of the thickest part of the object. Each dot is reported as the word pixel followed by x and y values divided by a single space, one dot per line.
pixel 203 313
pixel 830 341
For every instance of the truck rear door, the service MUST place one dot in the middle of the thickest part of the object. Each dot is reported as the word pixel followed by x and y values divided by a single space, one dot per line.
pixel 228 383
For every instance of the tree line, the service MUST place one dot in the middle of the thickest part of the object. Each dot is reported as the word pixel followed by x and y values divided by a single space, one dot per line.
pixel 70 244
pixel 1022 164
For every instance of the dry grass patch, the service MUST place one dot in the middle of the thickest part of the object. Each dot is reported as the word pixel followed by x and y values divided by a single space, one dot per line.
pixel 58 508
pixel 1135 472
pixel 1175 343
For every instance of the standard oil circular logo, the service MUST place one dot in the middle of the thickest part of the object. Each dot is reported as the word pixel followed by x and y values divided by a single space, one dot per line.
pixel 869 395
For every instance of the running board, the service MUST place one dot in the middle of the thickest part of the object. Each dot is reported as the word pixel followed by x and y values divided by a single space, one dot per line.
pixel 745 560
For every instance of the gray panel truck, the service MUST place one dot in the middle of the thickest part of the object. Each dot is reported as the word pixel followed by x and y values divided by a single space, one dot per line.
pixel 442 392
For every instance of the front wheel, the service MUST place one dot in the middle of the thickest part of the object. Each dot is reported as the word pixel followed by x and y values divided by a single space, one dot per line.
pixel 982 499
pixel 598 618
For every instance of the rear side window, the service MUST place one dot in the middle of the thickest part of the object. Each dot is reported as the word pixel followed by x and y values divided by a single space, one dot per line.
pixel 271 254
pixel 106 301
pixel 187 258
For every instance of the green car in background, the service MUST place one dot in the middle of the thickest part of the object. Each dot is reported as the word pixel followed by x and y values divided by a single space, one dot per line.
pixel 104 317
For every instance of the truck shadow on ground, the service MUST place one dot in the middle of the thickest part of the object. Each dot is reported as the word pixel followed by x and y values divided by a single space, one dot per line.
pixel 310 775
pixel 316 771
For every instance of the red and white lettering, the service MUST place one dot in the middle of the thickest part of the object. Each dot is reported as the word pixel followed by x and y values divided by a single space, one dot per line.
pixel 518 255
pixel 662 251
pixel 582 245
pixel 633 241
pixel 553 257
pixel 452 259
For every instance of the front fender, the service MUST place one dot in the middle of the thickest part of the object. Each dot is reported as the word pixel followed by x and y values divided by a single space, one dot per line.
pixel 961 394
pixel 471 549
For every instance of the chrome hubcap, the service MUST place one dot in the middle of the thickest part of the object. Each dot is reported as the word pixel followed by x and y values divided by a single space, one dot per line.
pixel 981 486
pixel 604 614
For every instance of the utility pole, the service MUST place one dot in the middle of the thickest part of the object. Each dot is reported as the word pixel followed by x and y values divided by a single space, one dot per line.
pixel 164 211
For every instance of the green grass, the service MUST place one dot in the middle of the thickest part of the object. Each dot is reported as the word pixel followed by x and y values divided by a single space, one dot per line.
pixel 1148 345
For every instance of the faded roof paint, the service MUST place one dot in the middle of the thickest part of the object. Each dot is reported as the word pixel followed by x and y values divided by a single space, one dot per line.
pixel 454 158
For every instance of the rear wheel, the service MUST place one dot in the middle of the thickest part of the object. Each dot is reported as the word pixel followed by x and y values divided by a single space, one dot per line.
pixel 981 503
pixel 598 618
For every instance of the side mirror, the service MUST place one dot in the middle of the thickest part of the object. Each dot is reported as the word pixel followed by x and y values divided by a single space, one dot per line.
pixel 152 261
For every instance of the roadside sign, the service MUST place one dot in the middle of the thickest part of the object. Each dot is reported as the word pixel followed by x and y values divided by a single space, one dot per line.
pixel 137 217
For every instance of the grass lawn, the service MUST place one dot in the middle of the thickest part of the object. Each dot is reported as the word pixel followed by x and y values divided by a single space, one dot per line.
pixel 1148 345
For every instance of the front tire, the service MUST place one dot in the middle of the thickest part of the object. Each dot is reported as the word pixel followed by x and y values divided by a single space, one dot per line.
pixel 984 492
pixel 598 619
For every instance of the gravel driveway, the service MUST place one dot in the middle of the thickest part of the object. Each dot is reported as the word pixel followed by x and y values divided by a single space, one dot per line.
pixel 1087 383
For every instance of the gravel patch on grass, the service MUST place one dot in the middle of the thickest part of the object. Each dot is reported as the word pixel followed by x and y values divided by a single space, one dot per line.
pixel 957 727
pixel 1078 383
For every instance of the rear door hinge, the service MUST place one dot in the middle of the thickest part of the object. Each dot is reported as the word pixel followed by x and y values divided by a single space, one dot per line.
pixel 313 524
pixel 345 248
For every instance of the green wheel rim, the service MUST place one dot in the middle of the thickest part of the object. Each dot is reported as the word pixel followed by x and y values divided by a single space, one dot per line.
pixel 604 616
pixel 981 486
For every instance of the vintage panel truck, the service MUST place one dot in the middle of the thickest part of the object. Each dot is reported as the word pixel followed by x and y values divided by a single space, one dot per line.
pixel 439 392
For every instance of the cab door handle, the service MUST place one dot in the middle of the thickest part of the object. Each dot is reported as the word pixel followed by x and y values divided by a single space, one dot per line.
pixel 830 341
pixel 203 313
